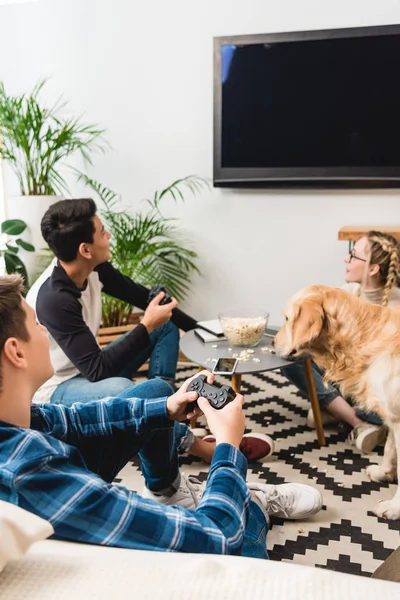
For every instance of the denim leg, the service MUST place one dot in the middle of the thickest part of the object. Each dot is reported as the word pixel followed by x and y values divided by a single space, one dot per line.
pixel 80 389
pixel 159 453
pixel 156 388
pixel 162 364
pixel 369 417
pixel 255 542
pixel 295 374
pixel 108 456
pixel 159 457
pixel 184 438
pixel 163 353
pixel 164 356
pixel 152 388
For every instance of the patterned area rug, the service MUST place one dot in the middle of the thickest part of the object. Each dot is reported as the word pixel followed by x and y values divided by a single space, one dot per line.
pixel 345 535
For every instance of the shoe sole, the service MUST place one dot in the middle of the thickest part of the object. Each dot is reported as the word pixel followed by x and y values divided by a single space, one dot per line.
pixel 327 420
pixel 264 438
pixel 369 441
pixel 199 432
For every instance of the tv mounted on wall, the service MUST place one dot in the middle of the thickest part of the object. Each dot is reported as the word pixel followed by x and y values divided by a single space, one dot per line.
pixel 308 108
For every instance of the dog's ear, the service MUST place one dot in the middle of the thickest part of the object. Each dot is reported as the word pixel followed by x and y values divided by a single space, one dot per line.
pixel 307 321
pixel 330 306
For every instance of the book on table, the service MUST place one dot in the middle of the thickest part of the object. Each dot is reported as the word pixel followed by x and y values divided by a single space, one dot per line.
pixel 213 326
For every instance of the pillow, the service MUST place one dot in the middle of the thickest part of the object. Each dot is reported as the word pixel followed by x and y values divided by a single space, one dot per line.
pixel 19 529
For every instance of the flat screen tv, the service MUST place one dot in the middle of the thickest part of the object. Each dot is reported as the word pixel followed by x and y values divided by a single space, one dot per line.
pixel 308 108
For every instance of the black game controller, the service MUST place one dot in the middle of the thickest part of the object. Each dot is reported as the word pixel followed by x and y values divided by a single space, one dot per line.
pixel 218 396
pixel 155 291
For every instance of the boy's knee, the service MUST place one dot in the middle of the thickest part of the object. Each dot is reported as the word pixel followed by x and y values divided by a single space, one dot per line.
pixel 171 329
pixel 115 385
pixel 157 388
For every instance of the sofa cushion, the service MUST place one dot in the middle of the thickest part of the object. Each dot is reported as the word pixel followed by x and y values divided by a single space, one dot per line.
pixel 19 529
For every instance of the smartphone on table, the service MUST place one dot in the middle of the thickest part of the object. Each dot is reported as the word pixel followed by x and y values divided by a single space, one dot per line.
pixel 225 366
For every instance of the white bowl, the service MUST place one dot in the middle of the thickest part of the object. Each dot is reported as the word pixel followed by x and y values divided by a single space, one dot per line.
pixel 244 327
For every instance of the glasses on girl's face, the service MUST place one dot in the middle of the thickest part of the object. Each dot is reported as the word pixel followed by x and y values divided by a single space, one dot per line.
pixel 352 254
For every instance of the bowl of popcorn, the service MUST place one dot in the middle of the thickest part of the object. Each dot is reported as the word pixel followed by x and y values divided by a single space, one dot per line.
pixel 244 327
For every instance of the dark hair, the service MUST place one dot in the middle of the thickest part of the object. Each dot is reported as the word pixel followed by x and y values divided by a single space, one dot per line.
pixel 12 313
pixel 67 224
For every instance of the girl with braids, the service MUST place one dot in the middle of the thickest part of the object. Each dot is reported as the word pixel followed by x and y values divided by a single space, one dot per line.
pixel 372 269
pixel 372 273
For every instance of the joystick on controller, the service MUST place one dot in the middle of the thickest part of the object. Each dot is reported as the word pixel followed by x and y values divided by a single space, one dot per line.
pixel 155 291
pixel 217 396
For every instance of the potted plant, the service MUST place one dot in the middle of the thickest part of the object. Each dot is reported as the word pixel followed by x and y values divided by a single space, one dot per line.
pixel 37 141
pixel 147 246
pixel 10 246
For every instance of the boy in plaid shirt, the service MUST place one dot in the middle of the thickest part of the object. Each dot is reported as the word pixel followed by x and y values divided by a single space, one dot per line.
pixel 59 462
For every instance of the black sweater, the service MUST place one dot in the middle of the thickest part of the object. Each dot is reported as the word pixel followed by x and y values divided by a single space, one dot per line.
pixel 72 317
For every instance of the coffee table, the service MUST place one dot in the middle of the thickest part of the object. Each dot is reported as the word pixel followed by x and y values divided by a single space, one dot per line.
pixel 206 354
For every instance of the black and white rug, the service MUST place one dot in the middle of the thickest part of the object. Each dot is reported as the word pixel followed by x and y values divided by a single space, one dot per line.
pixel 345 535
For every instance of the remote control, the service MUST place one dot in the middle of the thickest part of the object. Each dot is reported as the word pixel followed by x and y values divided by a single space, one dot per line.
pixel 218 396
pixel 155 291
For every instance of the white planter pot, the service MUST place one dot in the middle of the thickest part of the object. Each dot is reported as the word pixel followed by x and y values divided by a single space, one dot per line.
pixel 31 210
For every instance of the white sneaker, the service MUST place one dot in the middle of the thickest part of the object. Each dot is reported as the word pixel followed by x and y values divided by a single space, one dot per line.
pixel 366 437
pixel 199 432
pixel 327 418
pixel 188 495
pixel 289 500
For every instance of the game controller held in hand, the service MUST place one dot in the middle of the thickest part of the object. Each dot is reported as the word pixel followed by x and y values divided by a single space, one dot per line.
pixel 217 396
pixel 155 291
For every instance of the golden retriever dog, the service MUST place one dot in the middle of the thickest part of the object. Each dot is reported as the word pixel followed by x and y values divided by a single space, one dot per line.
pixel 357 344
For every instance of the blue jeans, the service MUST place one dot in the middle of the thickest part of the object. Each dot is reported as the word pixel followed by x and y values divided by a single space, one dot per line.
pixel 153 388
pixel 163 352
pixel 158 453
pixel 326 393
pixel 255 537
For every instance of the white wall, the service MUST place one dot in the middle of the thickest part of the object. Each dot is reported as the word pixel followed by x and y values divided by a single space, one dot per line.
pixel 144 70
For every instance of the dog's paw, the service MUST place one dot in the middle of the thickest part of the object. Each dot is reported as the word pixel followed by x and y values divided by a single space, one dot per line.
pixel 375 473
pixel 389 509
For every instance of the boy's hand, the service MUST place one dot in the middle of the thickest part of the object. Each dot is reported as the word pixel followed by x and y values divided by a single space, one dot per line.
pixel 155 315
pixel 227 424
pixel 177 404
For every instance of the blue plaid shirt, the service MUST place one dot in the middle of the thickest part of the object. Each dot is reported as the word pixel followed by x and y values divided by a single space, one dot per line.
pixel 47 470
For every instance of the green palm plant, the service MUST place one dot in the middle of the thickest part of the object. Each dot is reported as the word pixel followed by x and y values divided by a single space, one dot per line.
pixel 10 246
pixel 146 246
pixel 36 141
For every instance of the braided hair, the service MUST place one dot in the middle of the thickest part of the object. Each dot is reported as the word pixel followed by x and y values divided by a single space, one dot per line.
pixel 385 252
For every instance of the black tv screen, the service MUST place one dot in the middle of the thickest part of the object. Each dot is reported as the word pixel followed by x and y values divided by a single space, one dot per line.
pixel 315 108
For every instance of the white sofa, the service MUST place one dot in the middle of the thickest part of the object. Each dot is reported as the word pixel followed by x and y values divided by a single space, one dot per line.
pixel 53 570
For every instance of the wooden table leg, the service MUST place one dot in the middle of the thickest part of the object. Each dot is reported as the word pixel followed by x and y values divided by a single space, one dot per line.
pixel 236 382
pixel 312 394
pixel 193 420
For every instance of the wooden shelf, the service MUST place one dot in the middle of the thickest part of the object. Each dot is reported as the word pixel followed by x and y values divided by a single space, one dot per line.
pixel 352 233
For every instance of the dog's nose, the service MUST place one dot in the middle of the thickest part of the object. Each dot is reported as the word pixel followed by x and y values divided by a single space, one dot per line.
pixel 273 342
